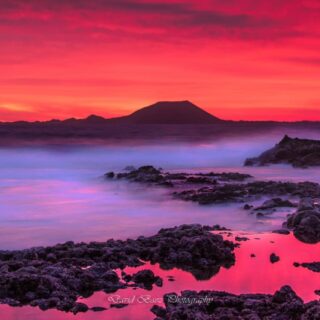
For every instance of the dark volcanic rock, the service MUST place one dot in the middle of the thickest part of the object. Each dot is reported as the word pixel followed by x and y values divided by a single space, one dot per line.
pixel 149 174
pixel 189 247
pixel 275 203
pixel 98 309
pixel 227 176
pixel 146 279
pixel 297 152
pixel 274 258
pixel 54 277
pixel 313 266
pixel 305 222
pixel 238 238
pixel 222 187
pixel 281 231
pixel 145 174
pixel 109 175
pixel 205 305
pixel 118 305
pixel 249 191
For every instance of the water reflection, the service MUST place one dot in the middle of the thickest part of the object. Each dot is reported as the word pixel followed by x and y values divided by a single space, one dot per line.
pixel 249 275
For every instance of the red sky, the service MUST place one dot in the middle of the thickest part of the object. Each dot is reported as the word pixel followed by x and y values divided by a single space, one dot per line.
pixel 238 59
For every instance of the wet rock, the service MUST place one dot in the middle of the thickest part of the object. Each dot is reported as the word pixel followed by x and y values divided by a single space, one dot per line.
pixel 158 311
pixel 237 238
pixel 281 231
pixel 192 248
pixel 171 278
pixel 297 152
pixel 110 175
pixel 313 266
pixel 79 307
pixel 306 204
pixel 146 279
pixel 200 180
pixel 247 206
pixel 98 309
pixel 144 174
pixel 118 305
pixel 305 222
pixel 223 187
pixel 260 214
pixel 274 258
pixel 226 176
pixel 284 304
pixel 248 191
pixel 275 203
pixel 149 174
pixel 54 277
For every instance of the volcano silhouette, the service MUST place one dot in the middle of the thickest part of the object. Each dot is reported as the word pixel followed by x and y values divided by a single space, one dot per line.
pixel 171 112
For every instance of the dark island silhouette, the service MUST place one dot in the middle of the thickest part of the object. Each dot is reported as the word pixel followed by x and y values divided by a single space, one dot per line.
pixel 176 112
pixel 181 120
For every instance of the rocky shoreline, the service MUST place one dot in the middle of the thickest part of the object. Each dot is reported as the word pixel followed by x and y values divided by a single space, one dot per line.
pixel 211 188
pixel 283 304
pixel 305 222
pixel 301 153
pixel 54 277
pixel 214 188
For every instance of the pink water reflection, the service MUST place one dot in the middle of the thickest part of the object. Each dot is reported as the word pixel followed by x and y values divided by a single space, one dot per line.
pixel 249 275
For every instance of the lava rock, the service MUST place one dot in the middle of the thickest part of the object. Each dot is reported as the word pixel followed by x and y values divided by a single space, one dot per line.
pixel 54 277
pixel 98 309
pixel 313 266
pixel 305 222
pixel 281 231
pixel 284 304
pixel 247 206
pixel 274 258
pixel 110 175
pixel 297 152
pixel 146 278
pixel 275 203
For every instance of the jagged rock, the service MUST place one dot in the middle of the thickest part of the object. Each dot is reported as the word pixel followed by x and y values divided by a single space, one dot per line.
pixel 313 266
pixel 275 203
pixel 305 222
pixel 205 305
pixel 54 277
pixel 149 174
pixel 294 151
pixel 274 258
pixel 191 248
pixel 248 191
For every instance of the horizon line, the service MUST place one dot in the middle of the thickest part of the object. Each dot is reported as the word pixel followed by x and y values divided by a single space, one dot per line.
pixel 89 115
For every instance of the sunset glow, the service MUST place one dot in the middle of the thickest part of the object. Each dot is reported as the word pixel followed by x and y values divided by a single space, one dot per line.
pixel 241 59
